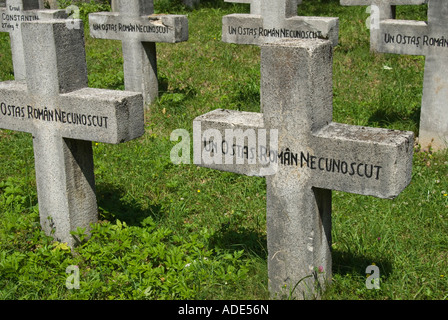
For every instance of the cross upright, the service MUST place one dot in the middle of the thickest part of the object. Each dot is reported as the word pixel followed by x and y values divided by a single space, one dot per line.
pixel 379 10
pixel 136 26
pixel 65 116
pixel 308 156
pixel 427 39
pixel 11 18
pixel 271 20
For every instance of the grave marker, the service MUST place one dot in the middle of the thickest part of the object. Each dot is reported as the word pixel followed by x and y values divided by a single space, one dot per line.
pixel 428 39
pixel 380 10
pixel 311 156
pixel 64 116
pixel 136 26
pixel 270 21
pixel 11 18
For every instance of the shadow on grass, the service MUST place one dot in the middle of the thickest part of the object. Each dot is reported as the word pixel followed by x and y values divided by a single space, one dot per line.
pixel 251 241
pixel 188 91
pixel 345 263
pixel 385 117
pixel 254 242
pixel 112 206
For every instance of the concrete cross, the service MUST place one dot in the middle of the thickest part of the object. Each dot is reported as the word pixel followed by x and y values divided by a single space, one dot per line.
pixel 428 39
pixel 379 10
pixel 11 18
pixel 271 20
pixel 139 29
pixel 64 116
pixel 308 156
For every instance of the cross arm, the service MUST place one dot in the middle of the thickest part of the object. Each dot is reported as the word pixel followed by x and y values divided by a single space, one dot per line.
pixel 39 14
pixel 403 37
pixel 153 28
pixel 354 159
pixel 362 160
pixel 241 28
pixel 250 29
pixel 327 26
pixel 89 114
pixel 237 141
pixel 121 114
pixel 13 107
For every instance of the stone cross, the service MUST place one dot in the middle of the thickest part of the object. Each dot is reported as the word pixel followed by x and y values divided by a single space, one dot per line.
pixel 271 20
pixel 64 116
pixel 379 10
pixel 11 18
pixel 428 39
pixel 308 156
pixel 139 29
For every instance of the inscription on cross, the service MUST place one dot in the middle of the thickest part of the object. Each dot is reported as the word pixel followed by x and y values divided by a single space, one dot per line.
pixel 12 16
pixel 309 156
pixel 428 39
pixel 270 21
pixel 64 116
pixel 379 10
pixel 136 26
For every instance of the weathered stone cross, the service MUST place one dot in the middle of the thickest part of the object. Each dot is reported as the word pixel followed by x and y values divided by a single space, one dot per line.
pixel 380 10
pixel 139 30
pixel 64 116
pixel 270 21
pixel 312 156
pixel 11 18
pixel 428 39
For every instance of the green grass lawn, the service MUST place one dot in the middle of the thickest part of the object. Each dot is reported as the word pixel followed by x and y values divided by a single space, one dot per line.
pixel 181 232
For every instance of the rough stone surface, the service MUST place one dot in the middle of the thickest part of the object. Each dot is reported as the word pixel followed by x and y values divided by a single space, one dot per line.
pixel 11 17
pixel 427 39
pixel 312 156
pixel 139 30
pixel 64 116
pixel 271 21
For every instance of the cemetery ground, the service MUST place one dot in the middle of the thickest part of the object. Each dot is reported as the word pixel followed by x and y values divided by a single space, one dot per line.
pixel 182 232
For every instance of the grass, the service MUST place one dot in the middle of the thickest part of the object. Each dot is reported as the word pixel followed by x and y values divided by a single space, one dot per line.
pixel 182 232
